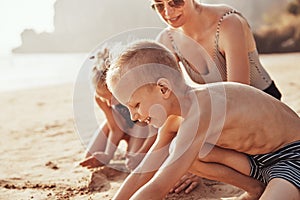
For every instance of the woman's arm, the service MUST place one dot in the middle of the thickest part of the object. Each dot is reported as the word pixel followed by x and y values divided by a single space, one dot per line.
pixel 235 42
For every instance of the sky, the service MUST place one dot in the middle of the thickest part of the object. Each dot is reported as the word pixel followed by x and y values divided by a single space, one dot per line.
pixel 17 15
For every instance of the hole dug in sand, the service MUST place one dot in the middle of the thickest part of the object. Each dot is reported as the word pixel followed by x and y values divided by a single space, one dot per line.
pixel 100 178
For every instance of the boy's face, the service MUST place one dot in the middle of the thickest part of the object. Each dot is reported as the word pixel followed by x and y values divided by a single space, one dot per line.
pixel 146 104
pixel 104 94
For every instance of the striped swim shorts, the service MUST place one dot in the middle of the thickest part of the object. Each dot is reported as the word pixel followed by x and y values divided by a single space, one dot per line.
pixel 283 163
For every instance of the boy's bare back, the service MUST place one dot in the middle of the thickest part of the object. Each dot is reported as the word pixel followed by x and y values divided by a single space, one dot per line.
pixel 255 122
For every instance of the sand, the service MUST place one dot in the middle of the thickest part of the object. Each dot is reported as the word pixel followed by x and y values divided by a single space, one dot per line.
pixel 40 149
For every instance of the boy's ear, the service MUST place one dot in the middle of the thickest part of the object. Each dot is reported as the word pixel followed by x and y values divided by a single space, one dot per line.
pixel 165 87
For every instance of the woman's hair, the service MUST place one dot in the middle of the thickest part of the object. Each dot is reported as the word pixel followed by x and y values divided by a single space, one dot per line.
pixel 101 66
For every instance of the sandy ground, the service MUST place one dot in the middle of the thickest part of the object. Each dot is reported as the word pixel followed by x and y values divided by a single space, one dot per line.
pixel 40 149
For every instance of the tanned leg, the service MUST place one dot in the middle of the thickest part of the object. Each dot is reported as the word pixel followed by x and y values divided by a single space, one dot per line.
pixel 279 189
pixel 230 167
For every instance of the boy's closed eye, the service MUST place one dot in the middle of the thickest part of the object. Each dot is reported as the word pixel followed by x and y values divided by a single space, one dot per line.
pixel 136 105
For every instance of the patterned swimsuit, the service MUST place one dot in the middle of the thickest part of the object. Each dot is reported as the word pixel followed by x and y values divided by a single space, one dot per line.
pixel 259 78
pixel 283 163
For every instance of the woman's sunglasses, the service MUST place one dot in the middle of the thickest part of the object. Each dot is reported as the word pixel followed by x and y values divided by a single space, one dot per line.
pixel 160 6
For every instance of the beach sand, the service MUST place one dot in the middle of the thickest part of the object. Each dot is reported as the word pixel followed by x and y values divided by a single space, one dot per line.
pixel 40 149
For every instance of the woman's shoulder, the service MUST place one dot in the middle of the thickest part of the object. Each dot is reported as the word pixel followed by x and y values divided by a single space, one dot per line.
pixel 226 16
pixel 222 13
pixel 166 33
pixel 163 35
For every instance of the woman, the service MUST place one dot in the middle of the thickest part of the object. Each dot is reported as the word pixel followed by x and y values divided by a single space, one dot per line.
pixel 220 31
pixel 214 43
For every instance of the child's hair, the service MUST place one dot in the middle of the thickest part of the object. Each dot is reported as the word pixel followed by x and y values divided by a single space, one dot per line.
pixel 101 66
pixel 144 52
pixel 161 61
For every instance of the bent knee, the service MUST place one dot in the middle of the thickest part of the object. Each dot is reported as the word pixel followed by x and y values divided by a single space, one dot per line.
pixel 279 188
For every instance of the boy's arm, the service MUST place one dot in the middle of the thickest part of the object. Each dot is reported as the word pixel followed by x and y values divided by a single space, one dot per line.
pixel 97 144
pixel 116 134
pixel 145 170
pixel 98 141
pixel 100 158
pixel 148 167
pixel 149 141
pixel 134 158
pixel 108 112
pixel 182 157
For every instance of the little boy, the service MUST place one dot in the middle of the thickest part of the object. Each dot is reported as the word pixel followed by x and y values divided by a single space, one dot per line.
pixel 256 135
pixel 117 126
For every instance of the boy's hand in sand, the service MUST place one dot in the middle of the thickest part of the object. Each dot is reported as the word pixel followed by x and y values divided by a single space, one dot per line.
pixel 133 160
pixel 187 183
pixel 98 159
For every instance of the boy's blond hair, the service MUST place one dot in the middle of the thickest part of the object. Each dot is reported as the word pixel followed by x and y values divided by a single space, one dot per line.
pixel 155 59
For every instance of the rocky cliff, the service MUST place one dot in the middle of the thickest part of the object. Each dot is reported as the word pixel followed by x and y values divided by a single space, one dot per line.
pixel 82 24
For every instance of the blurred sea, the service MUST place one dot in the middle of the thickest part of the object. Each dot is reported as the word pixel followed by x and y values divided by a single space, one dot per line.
pixel 21 71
